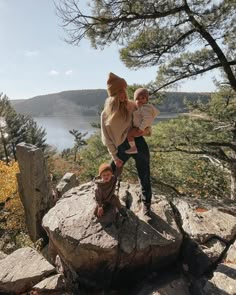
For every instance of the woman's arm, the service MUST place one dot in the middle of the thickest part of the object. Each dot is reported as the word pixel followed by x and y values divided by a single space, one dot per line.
pixel 106 140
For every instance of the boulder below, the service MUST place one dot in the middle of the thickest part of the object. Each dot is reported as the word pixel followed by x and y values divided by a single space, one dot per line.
pixel 208 233
pixel 106 251
pixel 223 280
pixel 22 269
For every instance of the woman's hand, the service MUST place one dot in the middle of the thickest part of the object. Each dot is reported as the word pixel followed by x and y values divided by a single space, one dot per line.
pixel 118 163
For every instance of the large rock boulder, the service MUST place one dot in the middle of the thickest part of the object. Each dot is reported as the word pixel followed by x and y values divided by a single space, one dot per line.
pixel 223 281
pixel 231 254
pixel 202 224
pixel 176 286
pixel 207 234
pixel 22 269
pixel 54 285
pixel 2 255
pixel 34 187
pixel 67 182
pixel 104 251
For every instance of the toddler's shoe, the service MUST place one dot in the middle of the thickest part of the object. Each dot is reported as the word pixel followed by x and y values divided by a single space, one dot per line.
pixel 132 150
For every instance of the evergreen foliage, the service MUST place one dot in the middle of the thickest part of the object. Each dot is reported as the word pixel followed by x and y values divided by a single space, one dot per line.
pixel 94 154
pixel 183 38
pixel 204 142
pixel 18 128
pixel 79 141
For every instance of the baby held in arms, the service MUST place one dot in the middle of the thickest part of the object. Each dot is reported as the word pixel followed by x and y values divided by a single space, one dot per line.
pixel 143 118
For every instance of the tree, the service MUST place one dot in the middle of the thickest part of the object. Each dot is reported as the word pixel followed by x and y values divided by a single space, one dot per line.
pixel 208 133
pixel 20 128
pixel 184 38
pixel 79 141
pixel 34 134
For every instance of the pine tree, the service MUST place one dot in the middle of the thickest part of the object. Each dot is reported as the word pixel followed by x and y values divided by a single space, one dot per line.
pixel 184 38
pixel 19 128
pixel 79 141
pixel 208 133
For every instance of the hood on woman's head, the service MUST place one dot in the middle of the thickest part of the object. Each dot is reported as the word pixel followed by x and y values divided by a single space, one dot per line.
pixel 115 84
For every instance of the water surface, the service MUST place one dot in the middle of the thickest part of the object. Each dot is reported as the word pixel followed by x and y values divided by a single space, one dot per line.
pixel 57 128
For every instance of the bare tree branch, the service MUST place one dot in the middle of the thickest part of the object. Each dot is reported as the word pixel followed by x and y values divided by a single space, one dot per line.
pixel 202 71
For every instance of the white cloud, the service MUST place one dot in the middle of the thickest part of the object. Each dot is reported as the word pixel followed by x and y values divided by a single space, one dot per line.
pixel 68 72
pixel 53 73
pixel 31 53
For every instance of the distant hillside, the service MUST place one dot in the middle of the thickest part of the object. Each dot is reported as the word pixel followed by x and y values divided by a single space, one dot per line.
pixel 16 101
pixel 90 102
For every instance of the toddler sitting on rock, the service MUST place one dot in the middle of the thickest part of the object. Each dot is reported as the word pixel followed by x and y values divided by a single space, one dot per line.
pixel 105 185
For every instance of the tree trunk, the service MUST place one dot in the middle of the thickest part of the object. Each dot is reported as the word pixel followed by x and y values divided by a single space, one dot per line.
pixel 215 47
pixel 75 154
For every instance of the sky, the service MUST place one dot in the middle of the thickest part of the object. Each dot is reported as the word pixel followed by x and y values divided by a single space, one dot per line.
pixel 35 59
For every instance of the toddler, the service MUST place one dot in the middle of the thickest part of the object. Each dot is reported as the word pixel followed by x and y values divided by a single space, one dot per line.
pixel 105 185
pixel 143 117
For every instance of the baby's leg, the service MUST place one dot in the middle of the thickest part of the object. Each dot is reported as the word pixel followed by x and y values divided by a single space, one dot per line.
pixel 131 135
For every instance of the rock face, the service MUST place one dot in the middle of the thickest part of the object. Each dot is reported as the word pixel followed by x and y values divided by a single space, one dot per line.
pixel 2 255
pixel 67 182
pixel 101 252
pixel 53 285
pixel 110 252
pixel 231 254
pixel 202 225
pixel 208 233
pixel 22 269
pixel 223 281
pixel 177 286
pixel 34 187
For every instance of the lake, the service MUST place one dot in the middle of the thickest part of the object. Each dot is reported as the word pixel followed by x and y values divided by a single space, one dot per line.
pixel 57 128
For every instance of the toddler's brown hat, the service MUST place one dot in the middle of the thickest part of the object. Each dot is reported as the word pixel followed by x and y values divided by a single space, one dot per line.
pixel 103 167
pixel 115 84
pixel 141 91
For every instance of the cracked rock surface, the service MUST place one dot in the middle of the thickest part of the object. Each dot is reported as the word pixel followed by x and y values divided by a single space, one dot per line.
pixel 208 231
pixel 107 249
pixel 22 269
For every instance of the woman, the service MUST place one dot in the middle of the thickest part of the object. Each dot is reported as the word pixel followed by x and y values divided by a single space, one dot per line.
pixel 116 120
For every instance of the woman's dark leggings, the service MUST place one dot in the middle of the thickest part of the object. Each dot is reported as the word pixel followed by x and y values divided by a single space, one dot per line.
pixel 142 161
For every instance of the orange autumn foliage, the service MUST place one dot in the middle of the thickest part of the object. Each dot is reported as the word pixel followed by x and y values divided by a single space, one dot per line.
pixel 9 197
pixel 8 183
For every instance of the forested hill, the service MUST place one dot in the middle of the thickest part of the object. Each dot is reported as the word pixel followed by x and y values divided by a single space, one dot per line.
pixel 90 102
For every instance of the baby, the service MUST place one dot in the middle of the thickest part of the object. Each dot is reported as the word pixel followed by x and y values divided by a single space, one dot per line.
pixel 142 118
pixel 105 185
